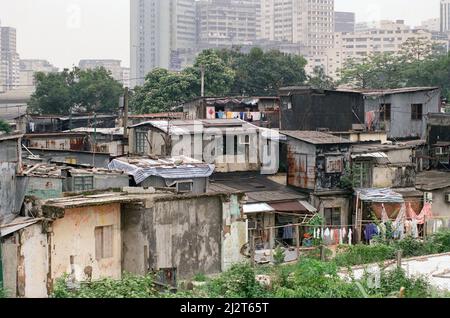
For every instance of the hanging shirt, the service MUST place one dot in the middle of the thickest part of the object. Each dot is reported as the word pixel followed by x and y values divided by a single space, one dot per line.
pixel 288 233
pixel 350 232
pixel 370 231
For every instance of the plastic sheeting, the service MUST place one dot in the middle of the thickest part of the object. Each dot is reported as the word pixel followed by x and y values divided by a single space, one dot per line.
pixel 380 196
pixel 182 171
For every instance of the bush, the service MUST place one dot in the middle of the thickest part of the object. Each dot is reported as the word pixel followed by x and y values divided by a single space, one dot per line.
pixel 200 277
pixel 440 242
pixel 4 126
pixel 3 293
pixel 364 254
pixel 393 280
pixel 129 286
pixel 279 256
pixel 315 279
pixel 238 282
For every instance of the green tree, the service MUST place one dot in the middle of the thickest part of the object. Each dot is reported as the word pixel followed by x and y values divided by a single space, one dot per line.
pixel 163 89
pixel 4 126
pixel 75 90
pixel 318 79
pixel 260 73
pixel 382 70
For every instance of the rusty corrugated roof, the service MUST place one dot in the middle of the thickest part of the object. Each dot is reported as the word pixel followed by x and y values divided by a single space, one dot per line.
pixel 315 137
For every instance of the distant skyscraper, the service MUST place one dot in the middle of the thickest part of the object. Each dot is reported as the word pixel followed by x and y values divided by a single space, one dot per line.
pixel 445 15
pixel 28 68
pixel 344 22
pixel 9 59
pixel 299 21
pixel 223 23
pixel 163 34
pixel 433 25
pixel 118 72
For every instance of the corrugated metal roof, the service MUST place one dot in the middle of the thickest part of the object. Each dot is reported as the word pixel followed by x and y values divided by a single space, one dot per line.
pixel 101 131
pixel 375 92
pixel 432 180
pixel 16 225
pixel 315 137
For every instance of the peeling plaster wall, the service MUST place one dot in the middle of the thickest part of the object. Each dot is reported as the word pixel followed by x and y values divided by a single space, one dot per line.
pixel 74 235
pixel 341 202
pixel 44 188
pixel 25 261
pixel 194 235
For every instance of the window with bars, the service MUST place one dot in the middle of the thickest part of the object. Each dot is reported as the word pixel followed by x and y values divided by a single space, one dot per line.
pixel 103 242
pixel 141 142
pixel 83 183
pixel 416 111
pixel 332 216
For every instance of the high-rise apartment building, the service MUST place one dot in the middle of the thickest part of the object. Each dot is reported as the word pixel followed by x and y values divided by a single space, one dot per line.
pixel 163 34
pixel 224 23
pixel 445 15
pixel 433 25
pixel 344 22
pixel 118 72
pixel 310 22
pixel 386 37
pixel 9 59
pixel 29 67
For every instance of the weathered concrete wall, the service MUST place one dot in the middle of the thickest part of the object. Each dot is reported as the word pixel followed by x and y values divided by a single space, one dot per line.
pixel 400 155
pixel 44 187
pixel 59 143
pixel 12 191
pixel 192 234
pixel 200 184
pixel 440 207
pixel 342 202
pixel 389 176
pixel 25 261
pixel 74 235
pixel 401 125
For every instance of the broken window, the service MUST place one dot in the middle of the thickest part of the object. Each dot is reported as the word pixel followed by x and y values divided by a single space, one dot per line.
pixel 334 164
pixel 141 142
pixel 416 111
pixel 103 242
pixel 362 176
pixel 332 216
pixel 385 112
pixel 83 183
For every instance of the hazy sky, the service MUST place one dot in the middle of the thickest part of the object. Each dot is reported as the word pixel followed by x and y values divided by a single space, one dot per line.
pixel 65 31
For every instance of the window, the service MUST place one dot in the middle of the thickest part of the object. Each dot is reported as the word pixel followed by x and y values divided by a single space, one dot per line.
pixel 362 177
pixel 184 186
pixel 332 216
pixel 416 111
pixel 334 164
pixel 83 183
pixel 385 112
pixel 103 242
pixel 141 142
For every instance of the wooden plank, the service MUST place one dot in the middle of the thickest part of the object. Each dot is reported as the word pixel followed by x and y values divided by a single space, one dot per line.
pixel 164 246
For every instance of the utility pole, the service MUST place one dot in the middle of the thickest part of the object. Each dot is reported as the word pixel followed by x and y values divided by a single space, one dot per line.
pixel 125 113
pixel 202 71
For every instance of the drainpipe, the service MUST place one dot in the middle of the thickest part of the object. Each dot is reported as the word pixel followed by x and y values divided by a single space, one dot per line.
pixel 1 267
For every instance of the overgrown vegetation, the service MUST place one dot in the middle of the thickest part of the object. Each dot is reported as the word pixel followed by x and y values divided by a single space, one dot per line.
pixel 3 293
pixel 387 249
pixel 4 126
pixel 309 278
pixel 238 282
pixel 129 286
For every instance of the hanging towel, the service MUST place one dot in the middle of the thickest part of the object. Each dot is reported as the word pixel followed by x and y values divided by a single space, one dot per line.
pixel 414 229
pixel 425 213
pixel 350 232
pixel 341 236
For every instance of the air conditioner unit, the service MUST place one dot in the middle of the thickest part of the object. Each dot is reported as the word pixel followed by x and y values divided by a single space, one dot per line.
pixel 439 151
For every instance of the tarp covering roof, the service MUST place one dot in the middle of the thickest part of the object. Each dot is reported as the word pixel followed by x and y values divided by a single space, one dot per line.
pixel 293 207
pixel 380 195
pixel 180 167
